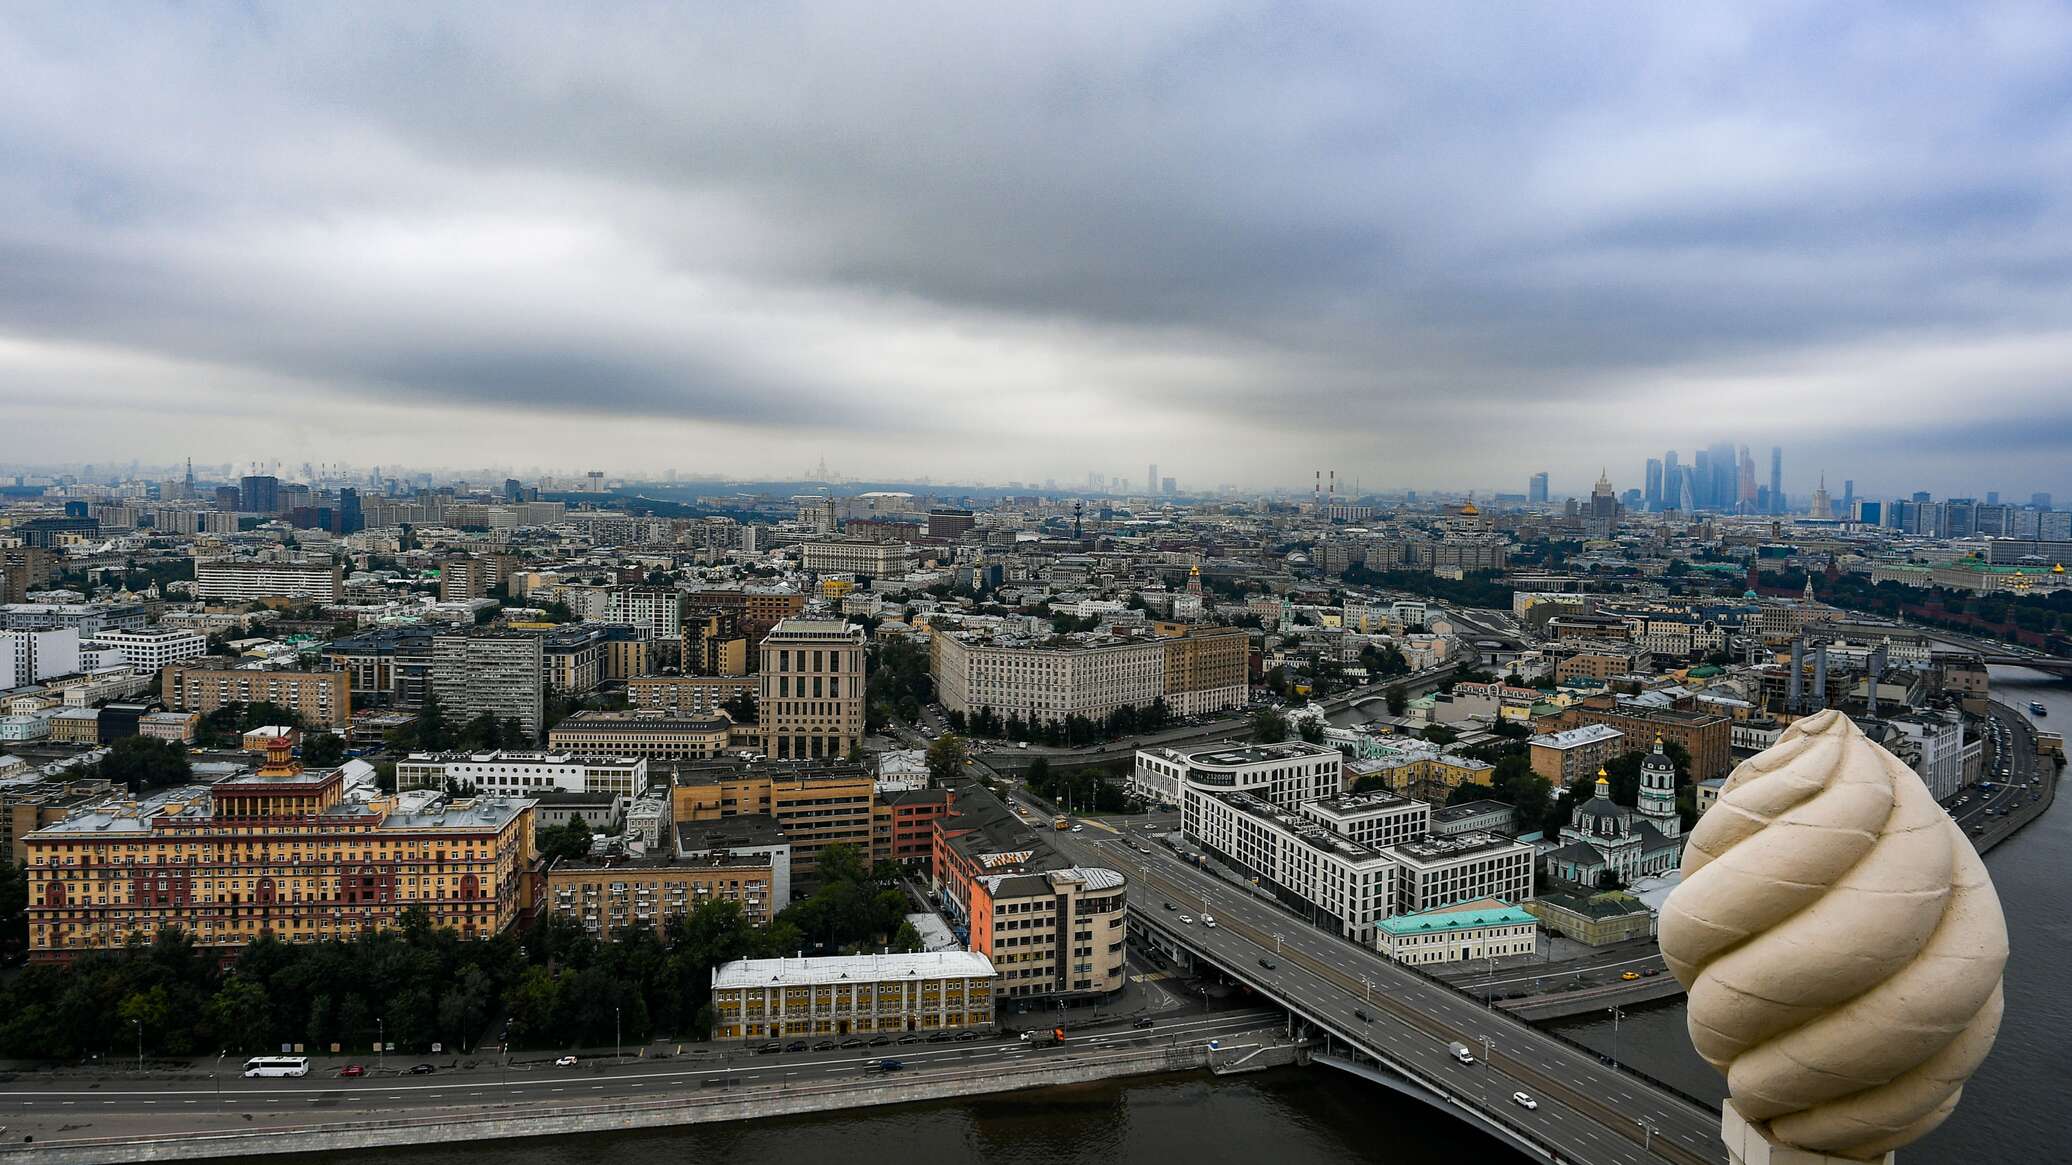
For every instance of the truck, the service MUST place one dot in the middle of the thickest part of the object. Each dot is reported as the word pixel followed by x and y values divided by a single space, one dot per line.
pixel 1044 1037
pixel 1460 1052
pixel 1061 823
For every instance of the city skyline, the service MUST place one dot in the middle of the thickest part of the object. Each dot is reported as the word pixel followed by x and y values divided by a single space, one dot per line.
pixel 1399 242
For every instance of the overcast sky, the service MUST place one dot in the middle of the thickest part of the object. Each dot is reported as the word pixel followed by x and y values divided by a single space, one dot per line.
pixel 1427 245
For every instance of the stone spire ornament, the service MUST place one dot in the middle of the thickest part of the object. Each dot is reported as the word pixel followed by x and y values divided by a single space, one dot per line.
pixel 1842 946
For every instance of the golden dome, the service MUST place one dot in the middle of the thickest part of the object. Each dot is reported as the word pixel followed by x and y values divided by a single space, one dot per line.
pixel 1468 510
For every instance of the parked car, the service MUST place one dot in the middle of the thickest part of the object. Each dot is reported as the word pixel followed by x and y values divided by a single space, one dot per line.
pixel 965 1036
pixel 940 1038
pixel 854 1043
pixel 881 1041
pixel 824 1046
pixel 565 1062
pixel 767 1049
pixel 795 1046
pixel 910 1039
pixel 351 1070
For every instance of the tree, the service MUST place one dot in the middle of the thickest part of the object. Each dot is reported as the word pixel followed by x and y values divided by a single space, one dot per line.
pixel 741 706
pixel 906 939
pixel 1312 729
pixel 946 758
pixel 569 842
pixel 1398 701
pixel 483 733
pixel 14 911
pixel 142 762
pixel 323 750
pixel 1269 726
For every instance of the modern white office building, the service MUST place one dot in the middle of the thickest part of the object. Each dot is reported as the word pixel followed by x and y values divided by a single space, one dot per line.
pixel 1288 774
pixel 507 773
pixel 148 651
pixel 1289 851
pixel 1444 871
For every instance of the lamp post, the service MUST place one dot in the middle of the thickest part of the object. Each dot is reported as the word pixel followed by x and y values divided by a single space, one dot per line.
pixel 1647 1133
pixel 1489 988
pixel 618 1039
pixel 1617 1015
pixel 1367 985
pixel 380 1044
pixel 1488 1048
pixel 140 1043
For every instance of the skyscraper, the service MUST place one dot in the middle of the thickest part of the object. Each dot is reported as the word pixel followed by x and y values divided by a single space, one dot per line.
pixel 1701 478
pixel 1652 492
pixel 1776 479
pixel 1151 478
pixel 1536 487
pixel 259 494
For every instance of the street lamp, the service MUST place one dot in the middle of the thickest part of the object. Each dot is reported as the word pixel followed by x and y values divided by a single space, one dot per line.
pixel 140 1043
pixel 1647 1133
pixel 1617 1015
pixel 1488 1047
pixel 380 1044
pixel 1367 985
pixel 618 1040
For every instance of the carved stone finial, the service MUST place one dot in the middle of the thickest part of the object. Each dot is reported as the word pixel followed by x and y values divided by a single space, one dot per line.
pixel 1841 943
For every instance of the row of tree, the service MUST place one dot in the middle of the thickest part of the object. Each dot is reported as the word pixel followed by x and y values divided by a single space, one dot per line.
pixel 416 985
pixel 1073 731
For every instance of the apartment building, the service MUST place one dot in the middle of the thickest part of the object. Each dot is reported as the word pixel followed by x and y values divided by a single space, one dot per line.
pixel 1057 928
pixel 496 675
pixel 30 657
pixel 810 700
pixel 1091 675
pixel 657 612
pixel 243 582
pixel 903 822
pixel 1706 736
pixel 816 806
pixel 1288 774
pixel 1296 856
pixel 463 579
pixel 688 695
pixel 1372 819
pixel 323 699
pixel 852 995
pixel 654 735
pixel 148 651
pixel 855 556
pixel 713 645
pixel 1444 871
pixel 659 891
pixel 756 609
pixel 389 666
pixel 27 806
pixel 279 852
pixel 1575 753
pixel 523 774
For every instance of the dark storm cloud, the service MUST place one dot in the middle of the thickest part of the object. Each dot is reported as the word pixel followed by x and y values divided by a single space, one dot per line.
pixel 1499 234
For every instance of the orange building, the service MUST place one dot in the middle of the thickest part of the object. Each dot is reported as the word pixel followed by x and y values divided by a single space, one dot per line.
pixel 816 805
pixel 903 824
pixel 278 852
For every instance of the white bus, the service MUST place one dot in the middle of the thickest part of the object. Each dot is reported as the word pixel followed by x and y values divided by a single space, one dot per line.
pixel 277 1066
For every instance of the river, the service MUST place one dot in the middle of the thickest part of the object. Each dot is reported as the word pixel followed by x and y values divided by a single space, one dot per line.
pixel 2014 1109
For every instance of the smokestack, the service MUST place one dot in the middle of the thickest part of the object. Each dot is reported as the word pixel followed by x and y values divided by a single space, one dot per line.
pixel 1876 668
pixel 1819 676
pixel 1334 486
pixel 1795 703
pixel 1316 490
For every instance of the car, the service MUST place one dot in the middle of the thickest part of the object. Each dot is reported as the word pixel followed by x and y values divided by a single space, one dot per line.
pixel 1188 919
pixel 1269 964
pixel 1169 906
pixel 1208 922
pixel 1144 1022
pixel 352 1070
pixel 795 1046
pixel 565 1062
pixel 1524 1101
pixel 1651 972
pixel 881 1041
pixel 940 1038
pixel 1630 976
pixel 422 1069
pixel 1362 1016
pixel 910 1039
pixel 1079 829
pixel 964 1037
pixel 890 1065
pixel 853 1043
pixel 767 1049
pixel 824 1046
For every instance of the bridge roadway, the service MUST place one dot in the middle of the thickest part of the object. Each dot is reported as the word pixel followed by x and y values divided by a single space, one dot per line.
pixel 1588 1111
pixel 55 1108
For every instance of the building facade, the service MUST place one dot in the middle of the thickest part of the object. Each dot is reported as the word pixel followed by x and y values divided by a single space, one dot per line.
pixel 323 699
pixel 495 675
pixel 810 700
pixel 1488 929
pixel 847 995
pixel 244 582
pixel 279 852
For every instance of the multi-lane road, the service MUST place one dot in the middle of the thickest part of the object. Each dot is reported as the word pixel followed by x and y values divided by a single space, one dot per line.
pixel 1587 1110
pixel 59 1107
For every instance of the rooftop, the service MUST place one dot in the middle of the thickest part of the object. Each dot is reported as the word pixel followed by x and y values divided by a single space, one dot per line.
pixel 852 969
pixel 1485 912
pixel 1301 829
pixel 1442 849
pixel 1225 756
pixel 1577 737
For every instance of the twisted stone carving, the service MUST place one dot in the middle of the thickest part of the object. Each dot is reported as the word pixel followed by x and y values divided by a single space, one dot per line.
pixel 1841 943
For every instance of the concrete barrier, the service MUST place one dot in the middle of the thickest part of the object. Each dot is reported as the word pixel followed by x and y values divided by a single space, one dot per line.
pixel 694 1106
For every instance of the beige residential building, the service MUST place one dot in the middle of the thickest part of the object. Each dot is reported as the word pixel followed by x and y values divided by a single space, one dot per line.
pixel 322 698
pixel 687 695
pixel 848 556
pixel 810 705
pixel 1090 675
pixel 245 581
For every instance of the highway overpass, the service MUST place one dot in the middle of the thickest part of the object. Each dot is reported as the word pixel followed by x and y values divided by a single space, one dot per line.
pixel 1587 1111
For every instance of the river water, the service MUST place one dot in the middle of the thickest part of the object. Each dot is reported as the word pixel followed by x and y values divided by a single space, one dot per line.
pixel 2014 1110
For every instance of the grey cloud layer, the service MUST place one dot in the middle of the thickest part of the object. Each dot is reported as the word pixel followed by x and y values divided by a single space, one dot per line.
pixel 1367 230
